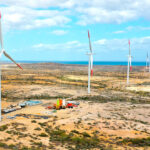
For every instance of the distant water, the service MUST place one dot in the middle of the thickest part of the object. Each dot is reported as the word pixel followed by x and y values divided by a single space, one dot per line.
pixel 114 63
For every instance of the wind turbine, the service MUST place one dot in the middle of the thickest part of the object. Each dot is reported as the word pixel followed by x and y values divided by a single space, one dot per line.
pixel 90 66
pixel 129 64
pixel 4 52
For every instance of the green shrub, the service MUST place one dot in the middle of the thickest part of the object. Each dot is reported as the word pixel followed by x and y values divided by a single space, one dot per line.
pixel 75 131
pixel 37 129
pixel 33 121
pixel 43 135
pixel 83 141
pixel 2 144
pixel 85 134
pixel 3 128
pixel 137 142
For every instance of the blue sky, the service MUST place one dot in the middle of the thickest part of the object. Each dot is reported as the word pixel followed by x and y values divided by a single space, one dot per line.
pixel 57 30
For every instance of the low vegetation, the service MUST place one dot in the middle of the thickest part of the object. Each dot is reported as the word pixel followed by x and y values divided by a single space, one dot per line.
pixel 136 142
pixel 81 141
pixel 3 128
pixel 102 99
pixel 52 83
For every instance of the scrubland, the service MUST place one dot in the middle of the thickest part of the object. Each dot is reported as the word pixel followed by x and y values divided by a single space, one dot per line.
pixel 113 116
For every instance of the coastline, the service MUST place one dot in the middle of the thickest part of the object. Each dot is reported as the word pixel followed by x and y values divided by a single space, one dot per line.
pixel 95 63
pixel 75 67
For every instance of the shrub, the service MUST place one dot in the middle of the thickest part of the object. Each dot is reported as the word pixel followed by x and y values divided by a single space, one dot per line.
pixel 2 144
pixel 37 129
pixel 3 128
pixel 85 134
pixel 137 142
pixel 43 135
pixel 33 121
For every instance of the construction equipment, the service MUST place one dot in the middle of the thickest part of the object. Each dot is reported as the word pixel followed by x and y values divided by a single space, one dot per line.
pixel 62 104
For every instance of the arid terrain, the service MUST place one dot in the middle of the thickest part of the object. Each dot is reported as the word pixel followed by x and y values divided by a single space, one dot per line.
pixel 114 116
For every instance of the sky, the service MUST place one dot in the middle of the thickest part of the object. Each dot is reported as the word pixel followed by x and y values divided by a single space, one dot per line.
pixel 56 30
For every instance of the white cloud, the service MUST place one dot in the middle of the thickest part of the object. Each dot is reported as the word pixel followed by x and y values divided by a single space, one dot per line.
pixel 130 28
pixel 26 18
pixel 59 32
pixel 103 45
pixel 119 32
pixel 40 3
pixel 137 28
pixel 112 11
pixel 28 14
pixel 100 42
pixel 38 45
pixel 116 49
pixel 73 42
pixel 70 45
pixel 137 44
pixel 98 15
pixel 145 28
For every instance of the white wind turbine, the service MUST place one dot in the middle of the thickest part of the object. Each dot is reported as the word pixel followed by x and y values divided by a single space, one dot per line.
pixel 90 66
pixel 3 52
pixel 129 64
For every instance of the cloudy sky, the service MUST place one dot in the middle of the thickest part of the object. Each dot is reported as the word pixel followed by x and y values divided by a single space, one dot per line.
pixel 56 30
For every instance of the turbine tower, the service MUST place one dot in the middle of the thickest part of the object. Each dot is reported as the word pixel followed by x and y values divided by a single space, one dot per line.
pixel 90 65
pixel 4 52
pixel 129 68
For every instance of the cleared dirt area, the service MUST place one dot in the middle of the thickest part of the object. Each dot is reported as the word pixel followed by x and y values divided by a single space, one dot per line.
pixel 139 88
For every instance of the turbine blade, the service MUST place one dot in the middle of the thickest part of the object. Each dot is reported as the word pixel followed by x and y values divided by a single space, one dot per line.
pixel 129 48
pixel 129 42
pixel 88 34
pixel 12 60
pixel 1 53
pixel 89 41
pixel 1 38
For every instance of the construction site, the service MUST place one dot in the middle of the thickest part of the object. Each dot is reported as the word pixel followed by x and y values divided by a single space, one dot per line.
pixel 46 106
